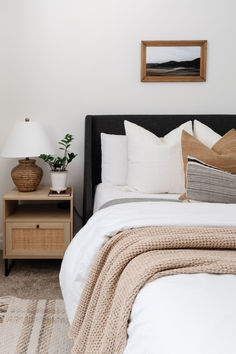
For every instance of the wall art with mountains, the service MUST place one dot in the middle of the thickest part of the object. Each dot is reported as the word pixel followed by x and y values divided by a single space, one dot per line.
pixel 173 60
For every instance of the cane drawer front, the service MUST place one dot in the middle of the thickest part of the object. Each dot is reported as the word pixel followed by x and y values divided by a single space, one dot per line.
pixel 37 239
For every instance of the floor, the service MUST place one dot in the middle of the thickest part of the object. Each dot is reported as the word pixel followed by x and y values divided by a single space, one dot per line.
pixel 31 279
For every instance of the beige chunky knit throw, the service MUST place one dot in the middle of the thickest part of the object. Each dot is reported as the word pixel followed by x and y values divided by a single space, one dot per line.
pixel 128 261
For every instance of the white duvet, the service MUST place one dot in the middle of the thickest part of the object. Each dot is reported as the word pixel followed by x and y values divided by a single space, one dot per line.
pixel 180 314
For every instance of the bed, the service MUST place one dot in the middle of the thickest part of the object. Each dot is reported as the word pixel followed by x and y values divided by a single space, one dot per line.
pixel 184 312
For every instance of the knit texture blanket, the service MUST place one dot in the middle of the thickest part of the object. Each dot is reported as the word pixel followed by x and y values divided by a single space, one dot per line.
pixel 131 259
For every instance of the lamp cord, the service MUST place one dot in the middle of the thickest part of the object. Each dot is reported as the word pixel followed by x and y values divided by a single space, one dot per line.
pixel 78 214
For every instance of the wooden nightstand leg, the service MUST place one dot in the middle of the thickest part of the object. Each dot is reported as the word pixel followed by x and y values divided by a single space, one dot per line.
pixel 8 267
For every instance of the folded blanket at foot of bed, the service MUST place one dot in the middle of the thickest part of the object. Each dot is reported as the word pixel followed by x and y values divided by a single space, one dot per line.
pixel 131 259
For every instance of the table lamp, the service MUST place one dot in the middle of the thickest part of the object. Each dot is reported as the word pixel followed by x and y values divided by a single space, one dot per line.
pixel 27 139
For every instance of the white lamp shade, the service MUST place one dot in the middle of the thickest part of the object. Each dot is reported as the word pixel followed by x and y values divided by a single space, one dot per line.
pixel 27 139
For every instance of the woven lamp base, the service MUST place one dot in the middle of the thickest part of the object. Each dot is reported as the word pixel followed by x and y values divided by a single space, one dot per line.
pixel 27 175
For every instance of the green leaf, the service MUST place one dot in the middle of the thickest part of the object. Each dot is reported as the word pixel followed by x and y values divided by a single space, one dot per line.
pixel 60 163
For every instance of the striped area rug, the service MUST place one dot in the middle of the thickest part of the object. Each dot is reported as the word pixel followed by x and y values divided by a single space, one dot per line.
pixel 33 326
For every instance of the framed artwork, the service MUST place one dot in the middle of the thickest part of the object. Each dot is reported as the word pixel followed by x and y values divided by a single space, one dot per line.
pixel 171 61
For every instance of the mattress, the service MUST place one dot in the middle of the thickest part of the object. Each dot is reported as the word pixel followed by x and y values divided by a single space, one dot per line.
pixel 105 193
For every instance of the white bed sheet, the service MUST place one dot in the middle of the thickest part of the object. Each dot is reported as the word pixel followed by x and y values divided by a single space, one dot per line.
pixel 178 314
pixel 106 192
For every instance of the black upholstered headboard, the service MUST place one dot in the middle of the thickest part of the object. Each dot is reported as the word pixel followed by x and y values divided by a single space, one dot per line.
pixel 114 124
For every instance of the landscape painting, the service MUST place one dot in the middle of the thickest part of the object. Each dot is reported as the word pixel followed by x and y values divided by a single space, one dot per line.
pixel 173 61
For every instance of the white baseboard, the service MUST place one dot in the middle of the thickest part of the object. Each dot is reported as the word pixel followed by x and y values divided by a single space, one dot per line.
pixel 1 241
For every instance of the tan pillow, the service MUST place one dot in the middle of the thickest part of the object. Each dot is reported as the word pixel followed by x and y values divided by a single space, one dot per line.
pixel 227 144
pixel 221 155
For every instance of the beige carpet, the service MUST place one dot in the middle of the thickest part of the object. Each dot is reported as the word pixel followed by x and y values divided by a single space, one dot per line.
pixel 33 326
pixel 31 279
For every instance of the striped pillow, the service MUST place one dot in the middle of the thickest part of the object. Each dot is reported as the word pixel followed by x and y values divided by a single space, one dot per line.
pixel 207 183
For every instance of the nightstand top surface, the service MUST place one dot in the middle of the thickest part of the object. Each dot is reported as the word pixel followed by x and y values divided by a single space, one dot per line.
pixel 40 194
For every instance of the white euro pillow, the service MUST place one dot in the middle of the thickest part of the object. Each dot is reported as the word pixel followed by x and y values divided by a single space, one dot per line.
pixel 155 164
pixel 114 159
pixel 206 135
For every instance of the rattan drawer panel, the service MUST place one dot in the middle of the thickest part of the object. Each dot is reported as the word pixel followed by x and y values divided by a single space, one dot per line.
pixel 37 239
pixel 44 239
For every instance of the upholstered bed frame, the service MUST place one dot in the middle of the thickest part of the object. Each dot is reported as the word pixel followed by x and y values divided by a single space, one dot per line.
pixel 114 124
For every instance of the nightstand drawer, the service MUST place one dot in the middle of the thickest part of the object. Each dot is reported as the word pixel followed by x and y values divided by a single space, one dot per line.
pixel 37 239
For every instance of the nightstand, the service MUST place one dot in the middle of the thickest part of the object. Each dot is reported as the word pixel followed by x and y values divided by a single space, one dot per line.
pixel 36 225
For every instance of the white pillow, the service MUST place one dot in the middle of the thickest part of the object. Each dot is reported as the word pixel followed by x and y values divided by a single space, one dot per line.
pixel 206 135
pixel 155 164
pixel 114 159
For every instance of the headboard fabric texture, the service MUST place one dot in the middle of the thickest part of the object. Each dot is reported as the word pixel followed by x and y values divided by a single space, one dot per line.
pixel 114 124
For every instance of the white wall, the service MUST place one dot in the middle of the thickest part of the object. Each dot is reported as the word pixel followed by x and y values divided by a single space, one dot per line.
pixel 61 60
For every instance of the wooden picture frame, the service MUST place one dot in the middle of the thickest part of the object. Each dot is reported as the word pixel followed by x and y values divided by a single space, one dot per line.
pixel 173 61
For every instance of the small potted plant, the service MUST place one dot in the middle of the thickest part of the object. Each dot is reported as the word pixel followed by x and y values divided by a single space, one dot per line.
pixel 59 164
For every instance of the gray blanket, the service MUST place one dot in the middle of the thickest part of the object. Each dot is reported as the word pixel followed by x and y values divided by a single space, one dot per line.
pixel 137 200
